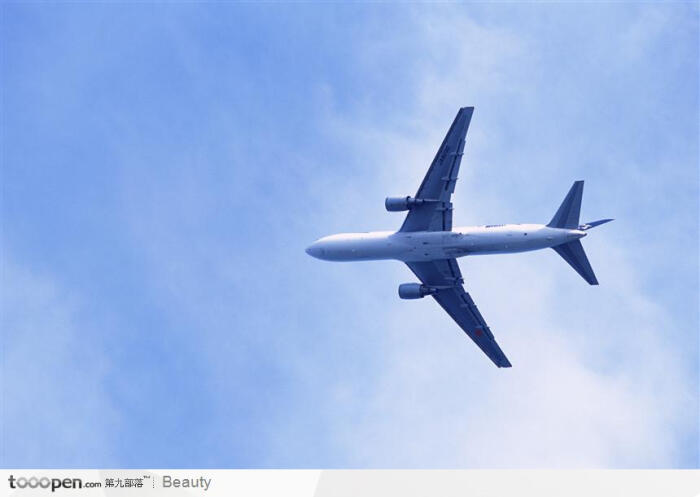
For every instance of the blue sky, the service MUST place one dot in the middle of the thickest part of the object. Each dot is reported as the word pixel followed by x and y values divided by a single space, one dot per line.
pixel 164 167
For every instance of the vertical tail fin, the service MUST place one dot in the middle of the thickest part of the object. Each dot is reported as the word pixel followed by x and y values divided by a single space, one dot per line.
pixel 593 224
pixel 569 210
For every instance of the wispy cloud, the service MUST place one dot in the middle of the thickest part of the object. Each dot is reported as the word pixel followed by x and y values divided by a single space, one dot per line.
pixel 604 377
pixel 56 407
pixel 170 246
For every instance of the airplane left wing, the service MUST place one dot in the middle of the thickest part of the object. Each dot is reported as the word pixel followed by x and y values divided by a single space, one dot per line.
pixel 435 213
pixel 446 276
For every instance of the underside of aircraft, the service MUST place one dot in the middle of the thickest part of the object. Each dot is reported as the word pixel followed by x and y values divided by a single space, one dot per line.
pixel 429 245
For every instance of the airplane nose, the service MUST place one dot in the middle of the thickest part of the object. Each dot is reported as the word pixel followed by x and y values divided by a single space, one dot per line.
pixel 312 250
pixel 317 250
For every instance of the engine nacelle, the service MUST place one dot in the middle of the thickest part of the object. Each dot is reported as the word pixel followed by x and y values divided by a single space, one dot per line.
pixel 414 291
pixel 398 204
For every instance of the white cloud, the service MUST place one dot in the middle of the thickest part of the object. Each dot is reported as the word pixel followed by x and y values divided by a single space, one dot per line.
pixel 55 407
pixel 597 379
pixel 293 361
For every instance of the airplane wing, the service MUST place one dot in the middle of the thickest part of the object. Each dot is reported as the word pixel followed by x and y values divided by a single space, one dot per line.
pixel 446 275
pixel 440 181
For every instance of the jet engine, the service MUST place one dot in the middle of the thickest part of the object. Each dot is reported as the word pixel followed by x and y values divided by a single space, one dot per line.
pixel 398 204
pixel 414 291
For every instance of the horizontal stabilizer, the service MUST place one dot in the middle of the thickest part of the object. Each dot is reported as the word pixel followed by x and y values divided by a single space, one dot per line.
pixel 573 253
pixel 593 224
pixel 569 210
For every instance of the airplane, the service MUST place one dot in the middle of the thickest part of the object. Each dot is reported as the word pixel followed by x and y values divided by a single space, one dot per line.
pixel 429 245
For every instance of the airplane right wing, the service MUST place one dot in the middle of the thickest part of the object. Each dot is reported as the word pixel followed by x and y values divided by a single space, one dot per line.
pixel 445 275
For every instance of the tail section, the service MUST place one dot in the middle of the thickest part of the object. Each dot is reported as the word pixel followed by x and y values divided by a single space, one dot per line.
pixel 569 210
pixel 573 253
pixel 567 217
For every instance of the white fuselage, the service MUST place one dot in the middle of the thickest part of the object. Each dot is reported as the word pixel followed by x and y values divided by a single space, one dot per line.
pixel 432 245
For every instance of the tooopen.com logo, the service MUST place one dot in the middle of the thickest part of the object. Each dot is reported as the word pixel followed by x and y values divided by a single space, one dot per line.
pixel 44 482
